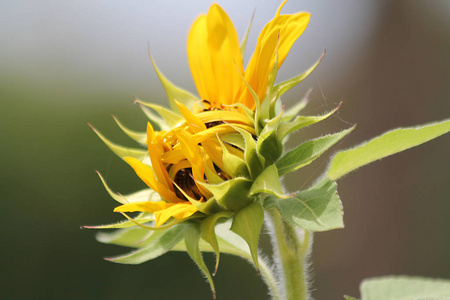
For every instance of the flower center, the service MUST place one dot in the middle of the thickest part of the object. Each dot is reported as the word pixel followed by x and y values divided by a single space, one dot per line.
pixel 185 181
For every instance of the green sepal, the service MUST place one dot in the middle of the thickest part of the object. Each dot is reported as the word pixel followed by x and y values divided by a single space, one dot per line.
pixel 234 165
pixel 269 147
pixel 208 232
pixel 174 92
pixel 228 241
pixel 389 143
pixel 405 288
pixel 169 116
pixel 293 111
pixel 349 298
pixel 247 223
pixel 254 162
pixel 140 137
pixel 207 207
pixel 231 194
pixel 268 182
pixel 158 122
pixel 307 152
pixel 139 196
pixel 272 124
pixel 121 151
pixel 234 139
pixel 285 86
pixel 142 218
pixel 192 239
pixel 212 176
pixel 129 237
pixel 317 209
pixel 300 122
pixel 157 244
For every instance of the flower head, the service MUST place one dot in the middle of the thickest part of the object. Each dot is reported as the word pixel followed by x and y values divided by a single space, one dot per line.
pixel 218 156
pixel 189 156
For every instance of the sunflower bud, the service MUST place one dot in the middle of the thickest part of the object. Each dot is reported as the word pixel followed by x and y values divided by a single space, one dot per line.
pixel 219 156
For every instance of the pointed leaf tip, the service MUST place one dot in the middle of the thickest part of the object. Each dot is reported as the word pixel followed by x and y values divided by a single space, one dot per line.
pixel 389 143
pixel 247 223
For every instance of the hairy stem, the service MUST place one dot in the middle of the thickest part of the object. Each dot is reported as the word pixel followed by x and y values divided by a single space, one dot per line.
pixel 291 248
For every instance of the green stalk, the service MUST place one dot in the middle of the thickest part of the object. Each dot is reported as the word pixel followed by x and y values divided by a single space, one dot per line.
pixel 290 254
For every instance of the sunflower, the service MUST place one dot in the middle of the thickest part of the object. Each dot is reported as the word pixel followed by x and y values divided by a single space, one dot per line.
pixel 188 158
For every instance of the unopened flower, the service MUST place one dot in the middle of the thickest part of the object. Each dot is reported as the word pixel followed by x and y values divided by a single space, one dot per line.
pixel 218 156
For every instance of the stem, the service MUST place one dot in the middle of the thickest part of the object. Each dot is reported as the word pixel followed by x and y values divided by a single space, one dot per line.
pixel 265 270
pixel 291 249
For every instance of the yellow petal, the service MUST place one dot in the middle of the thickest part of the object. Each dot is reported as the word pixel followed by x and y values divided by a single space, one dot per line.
pixel 147 206
pixel 163 211
pixel 283 30
pixel 155 150
pixel 178 211
pixel 214 57
pixel 194 123
pixel 147 175
pixel 226 116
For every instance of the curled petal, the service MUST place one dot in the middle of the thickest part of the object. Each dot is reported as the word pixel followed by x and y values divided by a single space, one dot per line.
pixel 214 57
pixel 282 30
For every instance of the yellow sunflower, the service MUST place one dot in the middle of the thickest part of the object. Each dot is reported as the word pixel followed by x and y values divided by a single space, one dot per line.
pixel 187 159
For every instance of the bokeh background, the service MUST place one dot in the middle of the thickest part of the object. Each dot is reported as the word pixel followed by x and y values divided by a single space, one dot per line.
pixel 64 63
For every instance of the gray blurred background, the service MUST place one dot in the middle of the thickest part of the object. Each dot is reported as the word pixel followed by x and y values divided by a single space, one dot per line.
pixel 64 63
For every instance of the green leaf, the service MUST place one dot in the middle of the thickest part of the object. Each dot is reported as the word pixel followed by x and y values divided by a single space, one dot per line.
pixel 231 194
pixel 208 232
pixel 247 223
pixel 387 144
pixel 285 86
pixel 139 196
pixel 317 209
pixel 174 92
pixel 268 182
pixel 293 111
pixel 349 298
pixel 140 137
pixel 404 288
pixel 120 150
pixel 308 152
pixel 192 238
pixel 158 243
pixel 130 237
pixel 169 116
pixel 299 122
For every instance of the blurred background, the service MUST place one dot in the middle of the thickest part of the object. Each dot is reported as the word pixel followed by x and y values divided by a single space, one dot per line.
pixel 65 63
